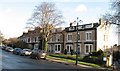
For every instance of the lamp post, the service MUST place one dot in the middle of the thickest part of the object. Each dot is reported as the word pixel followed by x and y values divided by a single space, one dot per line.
pixel 77 40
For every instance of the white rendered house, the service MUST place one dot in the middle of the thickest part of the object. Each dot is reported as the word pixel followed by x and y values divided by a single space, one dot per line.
pixel 107 35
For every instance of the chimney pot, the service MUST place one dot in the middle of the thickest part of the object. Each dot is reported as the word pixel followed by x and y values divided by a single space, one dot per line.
pixel 70 24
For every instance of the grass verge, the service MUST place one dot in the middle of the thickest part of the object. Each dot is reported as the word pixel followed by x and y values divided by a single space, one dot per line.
pixel 73 61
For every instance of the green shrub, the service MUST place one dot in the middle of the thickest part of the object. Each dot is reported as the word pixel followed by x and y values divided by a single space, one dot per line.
pixel 20 44
pixel 98 53
pixel 116 55
pixel 65 51
pixel 95 57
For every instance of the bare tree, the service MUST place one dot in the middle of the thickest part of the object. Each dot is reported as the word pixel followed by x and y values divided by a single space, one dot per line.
pixel 47 17
pixel 1 38
pixel 116 7
pixel 114 17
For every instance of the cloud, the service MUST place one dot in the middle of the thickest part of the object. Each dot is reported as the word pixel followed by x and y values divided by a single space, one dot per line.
pixel 12 22
pixel 9 1
pixel 81 8
pixel 8 10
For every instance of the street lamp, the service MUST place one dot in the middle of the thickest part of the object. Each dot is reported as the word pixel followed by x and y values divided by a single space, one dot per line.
pixel 77 40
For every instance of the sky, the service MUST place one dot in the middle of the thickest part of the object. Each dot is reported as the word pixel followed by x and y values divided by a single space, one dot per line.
pixel 14 14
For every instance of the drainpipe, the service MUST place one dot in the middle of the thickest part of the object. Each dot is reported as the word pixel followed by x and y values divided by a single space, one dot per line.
pixel 95 39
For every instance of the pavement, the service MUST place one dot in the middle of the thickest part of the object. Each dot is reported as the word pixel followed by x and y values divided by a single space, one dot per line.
pixel 116 66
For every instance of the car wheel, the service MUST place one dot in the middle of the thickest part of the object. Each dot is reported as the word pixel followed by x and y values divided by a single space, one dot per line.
pixel 30 56
pixel 38 57
pixel 21 55
pixel 44 58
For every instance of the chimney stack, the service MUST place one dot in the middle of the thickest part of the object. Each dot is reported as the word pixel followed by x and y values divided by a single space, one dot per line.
pixel 101 22
pixel 107 22
pixel 70 24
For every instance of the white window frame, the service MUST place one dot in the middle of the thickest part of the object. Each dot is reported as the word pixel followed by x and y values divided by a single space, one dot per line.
pixel 89 26
pixel 29 41
pixel 50 47
pixel 57 37
pixel 37 39
pixel 105 37
pixel 25 39
pixel 79 36
pixel 79 27
pixel 88 48
pixel 34 39
pixel 67 37
pixel 36 46
pixel 51 39
pixel 57 51
pixel 68 45
pixel 87 36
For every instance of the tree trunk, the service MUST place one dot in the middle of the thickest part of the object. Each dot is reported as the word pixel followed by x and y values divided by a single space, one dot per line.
pixel 43 41
pixel 45 44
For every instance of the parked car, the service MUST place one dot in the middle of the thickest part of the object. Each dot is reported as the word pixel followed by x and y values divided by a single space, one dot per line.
pixel 43 54
pixel 17 51
pixel 9 49
pixel 4 47
pixel 26 52
pixel 38 54
pixel 0 47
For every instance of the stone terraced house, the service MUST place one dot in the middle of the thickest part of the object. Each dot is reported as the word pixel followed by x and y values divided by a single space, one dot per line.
pixel 87 38
pixel 91 37
pixel 56 41
pixel 33 38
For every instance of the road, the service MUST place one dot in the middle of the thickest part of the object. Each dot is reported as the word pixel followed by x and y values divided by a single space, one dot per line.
pixel 0 59
pixel 15 62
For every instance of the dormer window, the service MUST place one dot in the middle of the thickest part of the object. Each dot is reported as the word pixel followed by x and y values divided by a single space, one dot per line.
pixel 79 27
pixel 88 26
pixel 71 28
